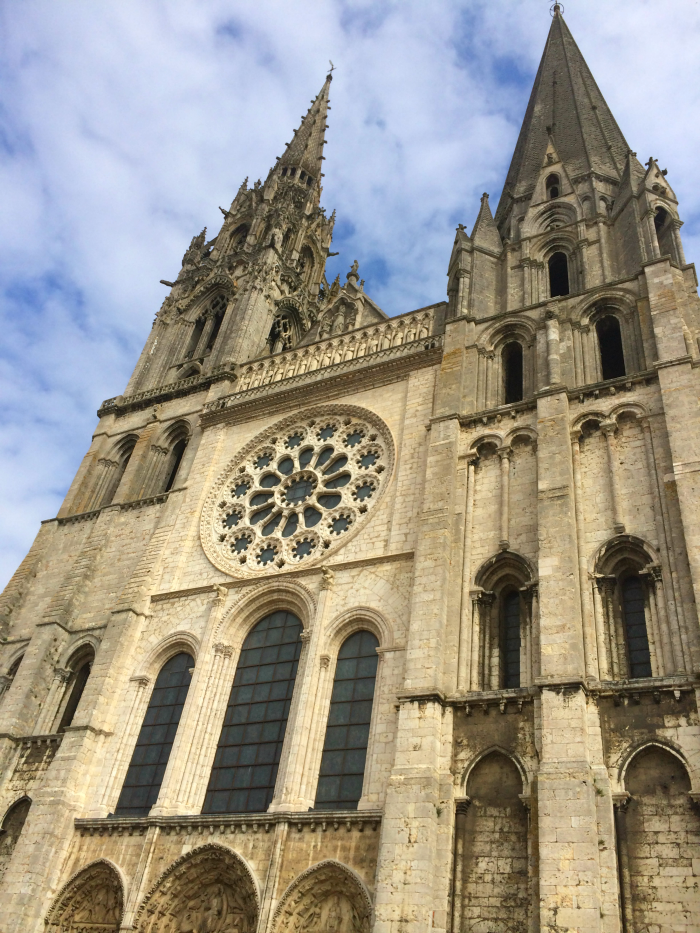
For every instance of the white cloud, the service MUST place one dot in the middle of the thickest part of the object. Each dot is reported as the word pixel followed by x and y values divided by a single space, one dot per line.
pixel 124 126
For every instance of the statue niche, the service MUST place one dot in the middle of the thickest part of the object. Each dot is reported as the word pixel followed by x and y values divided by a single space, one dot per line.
pixel 93 900
pixel 325 899
pixel 210 891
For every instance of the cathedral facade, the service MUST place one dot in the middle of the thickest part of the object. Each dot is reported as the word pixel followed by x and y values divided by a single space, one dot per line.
pixel 362 624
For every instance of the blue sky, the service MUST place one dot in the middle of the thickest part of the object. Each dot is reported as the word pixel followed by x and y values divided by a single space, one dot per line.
pixel 124 126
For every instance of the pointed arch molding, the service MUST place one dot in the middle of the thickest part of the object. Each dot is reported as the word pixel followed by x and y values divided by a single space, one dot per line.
pixel 212 887
pixel 256 602
pixel 233 528
pixel 327 888
pixel 218 282
pixel 92 899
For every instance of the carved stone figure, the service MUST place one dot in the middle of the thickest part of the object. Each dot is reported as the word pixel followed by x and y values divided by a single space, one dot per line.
pixel 327 898
pixel 93 900
pixel 210 891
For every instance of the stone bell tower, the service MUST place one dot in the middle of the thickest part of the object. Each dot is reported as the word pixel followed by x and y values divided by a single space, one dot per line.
pixel 253 288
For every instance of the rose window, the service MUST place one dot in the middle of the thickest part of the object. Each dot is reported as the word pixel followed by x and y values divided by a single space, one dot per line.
pixel 297 492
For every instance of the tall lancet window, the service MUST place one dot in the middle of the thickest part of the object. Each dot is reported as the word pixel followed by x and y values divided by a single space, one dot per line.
pixel 510 640
pixel 513 372
pixel 247 757
pixel 638 654
pixel 558 275
pixel 347 733
pixel 612 358
pixel 155 741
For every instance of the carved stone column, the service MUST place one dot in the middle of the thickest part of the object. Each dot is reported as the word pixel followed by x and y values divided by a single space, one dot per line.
pixel 485 602
pixel 461 810
pixel 608 428
pixel 126 742
pixel 588 647
pixel 553 357
pixel 620 803
pixel 606 588
pixel 505 454
pixel 466 633
pixel 51 704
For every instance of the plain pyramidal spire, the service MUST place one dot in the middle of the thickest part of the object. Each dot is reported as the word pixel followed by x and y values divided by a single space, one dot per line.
pixel 305 151
pixel 567 107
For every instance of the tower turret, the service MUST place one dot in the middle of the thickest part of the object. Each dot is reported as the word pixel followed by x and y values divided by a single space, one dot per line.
pixel 256 286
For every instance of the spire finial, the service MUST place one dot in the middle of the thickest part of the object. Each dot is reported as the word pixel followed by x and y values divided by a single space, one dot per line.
pixel 556 9
pixel 332 68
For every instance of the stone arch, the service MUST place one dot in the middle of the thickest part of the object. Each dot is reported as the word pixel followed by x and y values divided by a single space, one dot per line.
pixel 82 644
pixel 507 585
pixel 632 753
pixel 12 824
pixel 218 283
pixel 360 618
pixel 327 890
pixel 497 750
pixel 92 899
pixel 167 648
pixel 491 881
pixel 259 601
pixel 658 830
pixel 212 888
pixel 622 549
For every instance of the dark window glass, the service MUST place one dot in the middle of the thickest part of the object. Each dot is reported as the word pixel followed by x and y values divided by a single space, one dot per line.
pixel 347 733
pixel 218 321
pixel 558 275
pixel 612 359
pixel 194 338
pixel 636 628
pixel 513 371
pixel 176 456
pixel 247 757
pixel 511 640
pixel 148 763
pixel 80 678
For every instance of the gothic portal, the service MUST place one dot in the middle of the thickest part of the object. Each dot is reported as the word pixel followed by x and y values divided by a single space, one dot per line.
pixel 358 624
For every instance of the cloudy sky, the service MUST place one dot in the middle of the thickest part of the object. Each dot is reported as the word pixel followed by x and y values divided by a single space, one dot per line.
pixel 124 126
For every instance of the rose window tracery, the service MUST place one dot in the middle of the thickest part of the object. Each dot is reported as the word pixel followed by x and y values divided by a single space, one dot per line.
pixel 298 491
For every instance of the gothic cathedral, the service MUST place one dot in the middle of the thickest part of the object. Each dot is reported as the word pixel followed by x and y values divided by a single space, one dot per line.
pixel 358 624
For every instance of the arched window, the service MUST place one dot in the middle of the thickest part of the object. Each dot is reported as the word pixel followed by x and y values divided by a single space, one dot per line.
pixel 347 732
pixel 663 224
pixel 660 218
pixel 510 639
pixel 247 757
pixel 10 676
pixel 195 337
pixel 638 655
pixel 553 187
pixel 217 309
pixel 612 359
pixel 306 265
pixel 12 827
pixel 111 474
pixel 240 235
pixel 558 275
pixel 80 667
pixel 150 758
pixel 176 455
pixel 513 372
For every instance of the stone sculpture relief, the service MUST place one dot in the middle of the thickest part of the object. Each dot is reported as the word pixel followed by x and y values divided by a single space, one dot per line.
pixel 92 901
pixel 210 891
pixel 327 898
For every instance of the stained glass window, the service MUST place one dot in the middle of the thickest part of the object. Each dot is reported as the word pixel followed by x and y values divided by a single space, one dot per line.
pixel 511 640
pixel 636 628
pixel 148 763
pixel 347 733
pixel 247 757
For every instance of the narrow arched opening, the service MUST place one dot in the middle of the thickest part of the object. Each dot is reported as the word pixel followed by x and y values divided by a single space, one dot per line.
pixel 634 617
pixel 12 827
pixel 176 456
pixel 510 639
pixel 513 372
pixel 558 275
pixel 79 667
pixel 612 358
pixel 195 337
pixel 553 186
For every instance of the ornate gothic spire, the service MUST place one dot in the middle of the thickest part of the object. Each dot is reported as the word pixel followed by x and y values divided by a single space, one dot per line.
pixel 305 151
pixel 566 105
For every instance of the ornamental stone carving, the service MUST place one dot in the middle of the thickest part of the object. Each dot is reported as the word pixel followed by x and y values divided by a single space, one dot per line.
pixel 93 900
pixel 298 491
pixel 328 898
pixel 210 890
